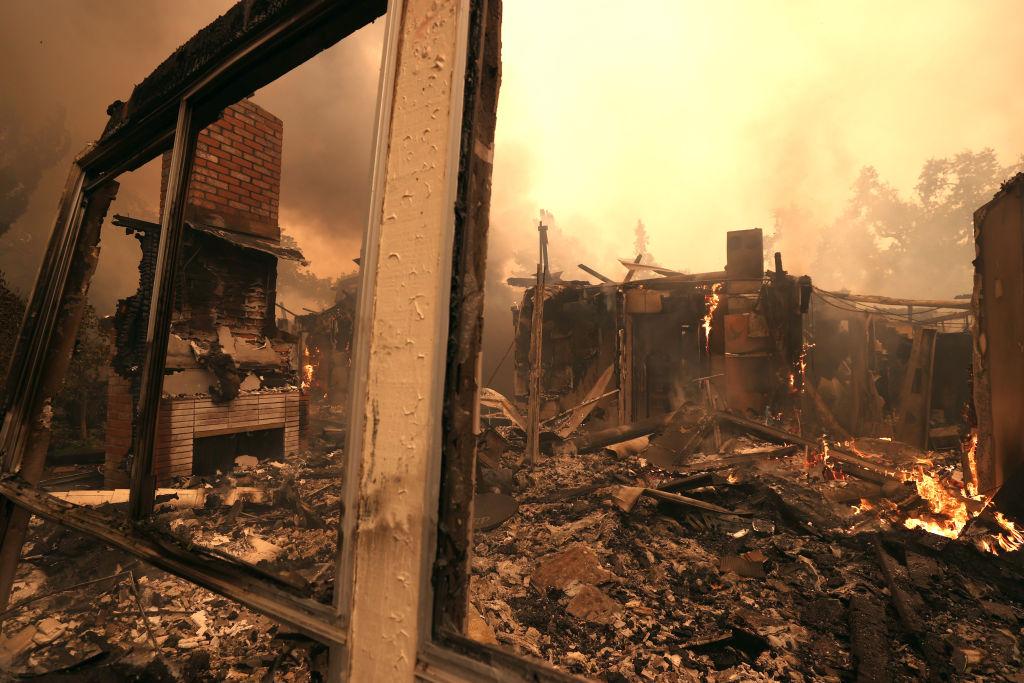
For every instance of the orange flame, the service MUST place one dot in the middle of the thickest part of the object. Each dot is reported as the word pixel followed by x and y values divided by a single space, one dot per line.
pixel 308 368
pixel 864 506
pixel 948 513
pixel 971 476
pixel 802 367
pixel 1012 539
pixel 831 469
pixel 712 300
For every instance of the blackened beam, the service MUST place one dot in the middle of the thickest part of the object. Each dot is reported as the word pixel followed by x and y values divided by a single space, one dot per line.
pixel 595 441
pixel 960 304
pixel 28 458
pixel 858 466
pixel 234 580
pixel 165 271
pixel 587 269
pixel 912 611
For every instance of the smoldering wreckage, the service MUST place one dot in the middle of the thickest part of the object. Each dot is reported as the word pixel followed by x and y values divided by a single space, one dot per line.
pixel 731 475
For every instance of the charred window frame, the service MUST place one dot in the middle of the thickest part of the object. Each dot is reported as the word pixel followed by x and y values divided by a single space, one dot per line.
pixel 409 483
pixel 251 45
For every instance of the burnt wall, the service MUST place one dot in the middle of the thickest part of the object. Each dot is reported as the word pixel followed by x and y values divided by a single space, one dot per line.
pixel 223 284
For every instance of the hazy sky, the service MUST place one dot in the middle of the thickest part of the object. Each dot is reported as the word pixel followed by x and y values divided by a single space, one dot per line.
pixel 703 117
pixel 93 53
pixel 696 117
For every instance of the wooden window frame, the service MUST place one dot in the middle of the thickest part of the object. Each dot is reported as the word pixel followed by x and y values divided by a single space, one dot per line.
pixel 402 587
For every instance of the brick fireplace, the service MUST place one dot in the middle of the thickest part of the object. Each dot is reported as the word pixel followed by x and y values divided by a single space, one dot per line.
pixel 232 382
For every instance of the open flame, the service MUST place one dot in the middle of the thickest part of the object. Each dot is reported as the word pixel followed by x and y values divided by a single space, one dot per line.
pixel 1012 538
pixel 832 469
pixel 948 513
pixel 801 367
pixel 307 367
pixel 971 483
pixel 711 299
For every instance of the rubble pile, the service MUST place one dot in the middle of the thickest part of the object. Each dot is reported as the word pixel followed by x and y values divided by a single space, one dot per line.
pixel 620 570
pixel 291 531
pixel 82 611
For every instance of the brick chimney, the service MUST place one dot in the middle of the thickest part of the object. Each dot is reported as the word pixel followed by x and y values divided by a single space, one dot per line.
pixel 236 179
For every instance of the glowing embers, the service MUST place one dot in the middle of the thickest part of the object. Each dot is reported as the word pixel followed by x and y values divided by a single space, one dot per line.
pixel 831 470
pixel 711 300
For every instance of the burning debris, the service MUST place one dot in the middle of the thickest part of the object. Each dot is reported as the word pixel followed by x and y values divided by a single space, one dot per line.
pixel 756 562
pixel 747 523
pixel 712 299
pixel 729 475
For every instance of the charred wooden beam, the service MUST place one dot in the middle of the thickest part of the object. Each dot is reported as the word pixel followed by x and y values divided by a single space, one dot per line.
pixel 536 355
pixel 591 271
pixel 912 613
pixel 593 441
pixel 869 641
pixel 29 457
pixel 960 304
pixel 858 466
pixel 143 481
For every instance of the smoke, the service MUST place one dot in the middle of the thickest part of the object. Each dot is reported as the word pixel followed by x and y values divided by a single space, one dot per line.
pixel 700 117
pixel 74 57
pixel 64 55
pixel 642 242
pixel 25 155
pixel 884 241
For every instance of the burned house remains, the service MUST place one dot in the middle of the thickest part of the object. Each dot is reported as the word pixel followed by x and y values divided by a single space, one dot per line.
pixel 325 349
pixel 649 345
pixel 728 475
pixel 997 467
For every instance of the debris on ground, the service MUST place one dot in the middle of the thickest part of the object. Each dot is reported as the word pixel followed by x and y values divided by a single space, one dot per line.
pixel 766 562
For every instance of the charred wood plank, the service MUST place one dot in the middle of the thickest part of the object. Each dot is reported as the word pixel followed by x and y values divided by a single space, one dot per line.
pixel 591 271
pixel 595 441
pixel 869 640
pixel 858 466
pixel 911 610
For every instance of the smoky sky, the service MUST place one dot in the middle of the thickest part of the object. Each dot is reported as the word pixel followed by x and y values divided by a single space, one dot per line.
pixel 76 57
pixel 696 118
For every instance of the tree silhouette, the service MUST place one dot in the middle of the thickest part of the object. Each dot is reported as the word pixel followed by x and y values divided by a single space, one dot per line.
pixel 917 246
